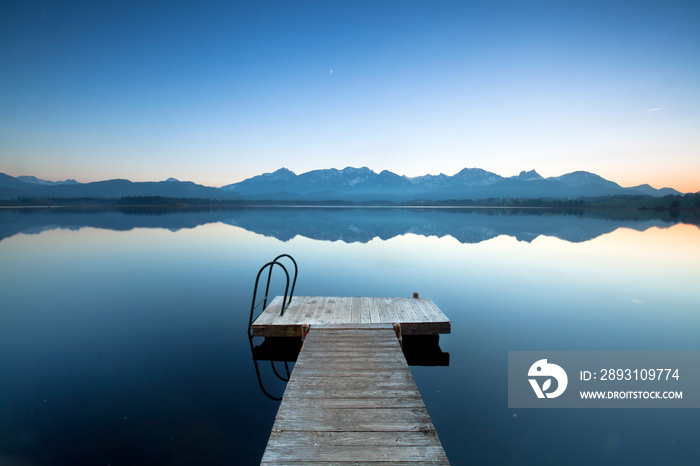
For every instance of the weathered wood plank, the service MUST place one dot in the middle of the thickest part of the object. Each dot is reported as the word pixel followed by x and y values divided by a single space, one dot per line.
pixel 315 314
pixel 345 349
pixel 337 439
pixel 285 462
pixel 390 360
pixel 350 327
pixel 406 307
pixel 354 420
pixel 336 315
pixel 323 303
pixel 412 400
pixel 355 453
pixel 393 314
pixel 374 311
pixel 366 329
pixel 288 462
pixel 385 362
pixel 382 315
pixel 356 313
pixel 307 310
pixel 345 352
pixel 345 310
pixel 382 380
pixel 363 392
pixel 433 313
pixel 365 317
pixel 327 317
pixel 419 310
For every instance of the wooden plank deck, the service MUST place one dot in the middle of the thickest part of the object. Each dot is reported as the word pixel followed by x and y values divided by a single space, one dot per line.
pixel 416 316
pixel 351 399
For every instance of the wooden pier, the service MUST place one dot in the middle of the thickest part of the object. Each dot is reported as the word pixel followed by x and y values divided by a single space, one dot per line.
pixel 351 398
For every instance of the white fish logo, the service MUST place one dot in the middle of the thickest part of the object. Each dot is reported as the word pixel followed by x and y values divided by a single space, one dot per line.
pixel 544 369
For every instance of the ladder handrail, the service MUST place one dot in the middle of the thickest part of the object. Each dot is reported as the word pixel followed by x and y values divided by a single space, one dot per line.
pixel 253 305
pixel 294 282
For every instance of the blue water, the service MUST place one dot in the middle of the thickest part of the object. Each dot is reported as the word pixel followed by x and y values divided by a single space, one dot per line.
pixel 123 337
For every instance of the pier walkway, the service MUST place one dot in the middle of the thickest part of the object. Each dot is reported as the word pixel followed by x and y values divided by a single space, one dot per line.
pixel 351 398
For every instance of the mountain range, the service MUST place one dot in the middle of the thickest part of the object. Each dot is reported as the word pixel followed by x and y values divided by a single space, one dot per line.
pixel 349 184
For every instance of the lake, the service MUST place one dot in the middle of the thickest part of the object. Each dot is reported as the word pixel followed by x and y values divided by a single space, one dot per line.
pixel 123 333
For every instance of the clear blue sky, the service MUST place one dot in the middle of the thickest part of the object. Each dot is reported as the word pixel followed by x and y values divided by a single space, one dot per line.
pixel 215 92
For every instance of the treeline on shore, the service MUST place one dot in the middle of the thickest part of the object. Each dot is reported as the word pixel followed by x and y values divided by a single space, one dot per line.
pixel 671 202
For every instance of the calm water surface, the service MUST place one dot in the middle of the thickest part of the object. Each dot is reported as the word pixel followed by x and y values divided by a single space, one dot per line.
pixel 123 337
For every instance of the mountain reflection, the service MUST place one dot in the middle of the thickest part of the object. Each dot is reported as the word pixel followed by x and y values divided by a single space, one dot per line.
pixel 350 225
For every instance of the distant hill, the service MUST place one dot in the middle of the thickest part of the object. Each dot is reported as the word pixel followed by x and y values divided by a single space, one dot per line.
pixel 348 184
pixel 11 187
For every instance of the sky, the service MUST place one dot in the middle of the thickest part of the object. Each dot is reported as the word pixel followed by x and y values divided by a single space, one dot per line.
pixel 216 92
